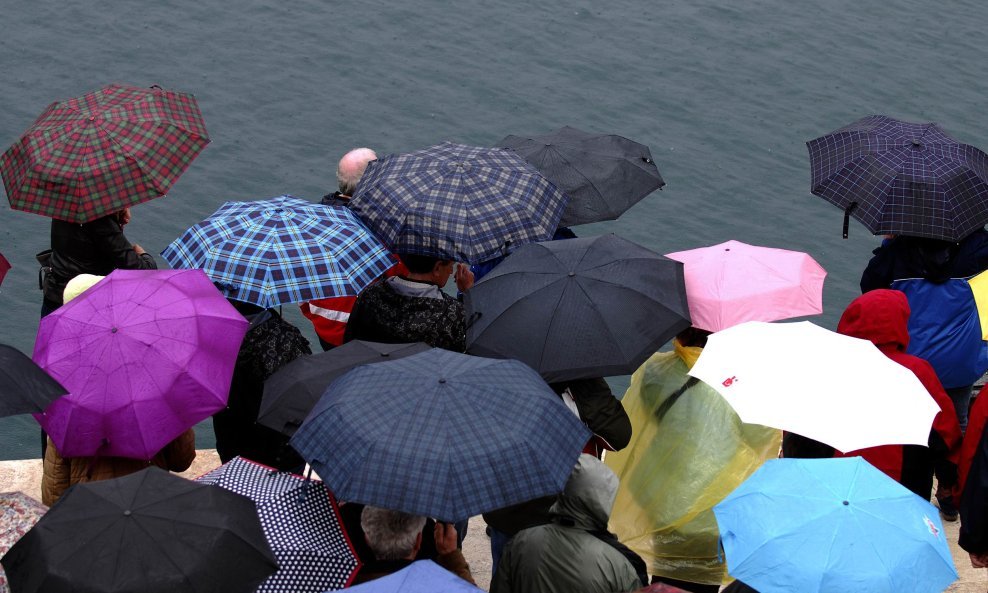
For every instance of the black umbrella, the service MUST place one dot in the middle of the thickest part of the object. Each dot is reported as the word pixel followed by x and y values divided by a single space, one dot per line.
pixel 902 178
pixel 577 309
pixel 149 531
pixel 24 387
pixel 290 393
pixel 603 174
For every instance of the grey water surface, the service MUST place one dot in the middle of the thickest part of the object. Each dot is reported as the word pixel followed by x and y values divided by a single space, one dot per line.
pixel 725 93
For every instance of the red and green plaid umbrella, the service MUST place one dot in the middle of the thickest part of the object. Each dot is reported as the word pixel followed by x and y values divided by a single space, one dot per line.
pixel 87 157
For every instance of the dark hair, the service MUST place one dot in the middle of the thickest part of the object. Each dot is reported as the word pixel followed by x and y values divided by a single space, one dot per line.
pixel 419 264
pixel 693 336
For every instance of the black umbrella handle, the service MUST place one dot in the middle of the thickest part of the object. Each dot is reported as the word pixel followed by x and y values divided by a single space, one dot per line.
pixel 847 216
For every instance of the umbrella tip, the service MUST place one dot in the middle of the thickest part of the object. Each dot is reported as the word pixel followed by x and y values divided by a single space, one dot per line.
pixel 846 503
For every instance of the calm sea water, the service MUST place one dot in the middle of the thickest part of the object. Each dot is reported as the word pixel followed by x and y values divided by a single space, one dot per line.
pixel 725 94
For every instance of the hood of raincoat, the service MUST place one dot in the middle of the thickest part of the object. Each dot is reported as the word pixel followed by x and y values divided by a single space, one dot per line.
pixel 589 494
pixel 879 316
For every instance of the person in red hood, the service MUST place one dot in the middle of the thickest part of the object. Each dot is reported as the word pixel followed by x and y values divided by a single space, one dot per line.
pixel 973 484
pixel 881 317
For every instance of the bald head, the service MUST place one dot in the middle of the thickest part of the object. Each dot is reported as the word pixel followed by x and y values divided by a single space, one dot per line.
pixel 351 167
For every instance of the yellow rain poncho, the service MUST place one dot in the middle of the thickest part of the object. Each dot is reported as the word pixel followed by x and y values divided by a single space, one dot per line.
pixel 687 452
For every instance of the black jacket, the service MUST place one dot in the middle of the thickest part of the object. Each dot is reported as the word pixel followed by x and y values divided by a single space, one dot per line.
pixel 933 260
pixel 97 247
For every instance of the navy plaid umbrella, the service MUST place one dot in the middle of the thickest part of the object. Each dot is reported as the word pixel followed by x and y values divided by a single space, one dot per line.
pixel 442 434
pixel 902 178
pixel 603 174
pixel 281 250
pixel 577 309
pixel 301 522
pixel 457 202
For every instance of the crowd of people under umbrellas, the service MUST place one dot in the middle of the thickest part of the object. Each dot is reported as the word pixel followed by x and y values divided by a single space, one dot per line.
pixel 672 449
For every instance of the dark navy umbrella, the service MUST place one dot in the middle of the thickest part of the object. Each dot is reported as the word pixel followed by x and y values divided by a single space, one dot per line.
pixel 302 523
pixel 442 434
pixel 457 202
pixel 25 388
pixel 577 309
pixel 151 532
pixel 902 178
pixel 603 174
pixel 290 394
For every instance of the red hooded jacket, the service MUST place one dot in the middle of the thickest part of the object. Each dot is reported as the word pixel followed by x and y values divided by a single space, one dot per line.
pixel 973 483
pixel 881 317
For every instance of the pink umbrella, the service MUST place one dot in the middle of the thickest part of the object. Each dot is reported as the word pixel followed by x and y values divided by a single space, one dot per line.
pixel 4 267
pixel 145 354
pixel 734 282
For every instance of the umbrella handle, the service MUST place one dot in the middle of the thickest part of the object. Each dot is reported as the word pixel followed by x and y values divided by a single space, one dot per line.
pixel 847 216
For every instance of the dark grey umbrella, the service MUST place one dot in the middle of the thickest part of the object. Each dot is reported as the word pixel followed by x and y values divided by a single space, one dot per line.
pixel 603 174
pixel 25 388
pixel 577 309
pixel 291 393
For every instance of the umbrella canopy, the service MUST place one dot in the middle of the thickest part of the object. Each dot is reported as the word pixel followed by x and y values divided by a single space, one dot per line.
pixel 281 250
pixel 90 156
pixel 4 267
pixel 292 392
pixel 817 383
pixel 24 387
pixel 441 434
pixel 602 174
pixel 145 354
pixel 589 307
pixel 301 522
pixel 457 202
pixel 149 531
pixel 18 514
pixel 734 282
pixel 835 526
pixel 902 178
pixel 423 576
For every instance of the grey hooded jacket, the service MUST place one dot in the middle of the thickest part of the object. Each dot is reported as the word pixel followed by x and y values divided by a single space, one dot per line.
pixel 563 557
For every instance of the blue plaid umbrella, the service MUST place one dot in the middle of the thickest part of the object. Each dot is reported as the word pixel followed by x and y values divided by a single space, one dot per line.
pixel 457 202
pixel 902 178
pixel 301 522
pixel 835 526
pixel 281 250
pixel 441 434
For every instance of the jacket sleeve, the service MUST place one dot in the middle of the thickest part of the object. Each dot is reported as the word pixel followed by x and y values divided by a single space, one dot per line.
pixel 974 502
pixel 501 583
pixel 878 273
pixel 455 563
pixel 56 474
pixel 602 412
pixel 180 453
pixel 114 245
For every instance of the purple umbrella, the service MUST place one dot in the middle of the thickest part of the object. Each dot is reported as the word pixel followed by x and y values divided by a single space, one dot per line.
pixel 145 354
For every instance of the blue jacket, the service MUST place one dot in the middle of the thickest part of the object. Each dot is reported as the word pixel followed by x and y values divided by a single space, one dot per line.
pixel 944 327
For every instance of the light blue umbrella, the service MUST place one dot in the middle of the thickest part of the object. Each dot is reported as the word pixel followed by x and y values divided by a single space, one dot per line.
pixel 424 576
pixel 832 525
pixel 281 250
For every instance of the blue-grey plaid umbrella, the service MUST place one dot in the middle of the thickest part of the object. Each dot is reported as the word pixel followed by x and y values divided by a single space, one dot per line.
pixel 281 250
pixel 902 178
pixel 452 201
pixel 301 522
pixel 442 434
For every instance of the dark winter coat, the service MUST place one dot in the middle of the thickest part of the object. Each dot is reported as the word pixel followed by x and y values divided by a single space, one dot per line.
pixel 383 314
pixel 270 343
pixel 97 247
pixel 974 479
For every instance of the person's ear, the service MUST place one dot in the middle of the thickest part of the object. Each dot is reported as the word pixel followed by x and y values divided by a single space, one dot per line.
pixel 418 544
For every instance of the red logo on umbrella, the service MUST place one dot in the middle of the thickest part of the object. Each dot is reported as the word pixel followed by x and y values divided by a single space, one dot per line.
pixel 729 382
pixel 933 528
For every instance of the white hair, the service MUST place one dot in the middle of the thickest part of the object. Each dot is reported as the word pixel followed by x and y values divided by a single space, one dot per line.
pixel 390 534
pixel 351 167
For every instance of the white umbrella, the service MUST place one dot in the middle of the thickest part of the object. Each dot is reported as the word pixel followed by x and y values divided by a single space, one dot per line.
pixel 802 378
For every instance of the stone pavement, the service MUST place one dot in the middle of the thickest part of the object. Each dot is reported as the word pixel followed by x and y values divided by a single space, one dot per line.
pixel 25 476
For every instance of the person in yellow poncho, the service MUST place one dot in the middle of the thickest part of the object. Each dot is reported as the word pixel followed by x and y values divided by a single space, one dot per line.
pixel 688 451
